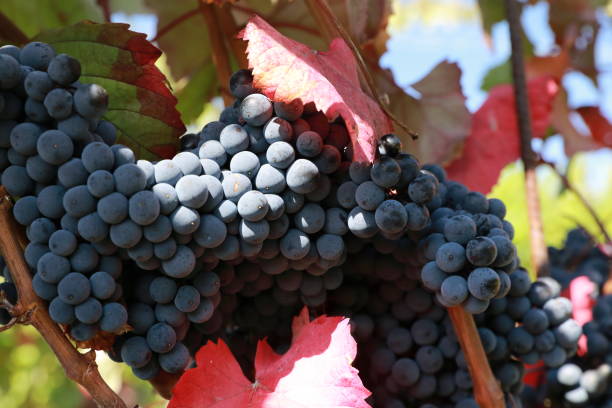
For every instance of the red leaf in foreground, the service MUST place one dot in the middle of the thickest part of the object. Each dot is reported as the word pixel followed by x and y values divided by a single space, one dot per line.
pixel 285 70
pixel 315 372
pixel 494 138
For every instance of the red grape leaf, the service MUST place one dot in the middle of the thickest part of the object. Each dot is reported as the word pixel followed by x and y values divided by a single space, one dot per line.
pixel 600 127
pixel 140 104
pixel 494 139
pixel 315 372
pixel 439 115
pixel 285 70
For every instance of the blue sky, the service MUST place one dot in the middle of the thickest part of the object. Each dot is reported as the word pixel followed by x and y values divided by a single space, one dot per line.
pixel 416 49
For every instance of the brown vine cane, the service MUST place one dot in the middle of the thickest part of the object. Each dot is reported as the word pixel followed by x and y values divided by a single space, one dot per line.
pixel 487 391
pixel 80 368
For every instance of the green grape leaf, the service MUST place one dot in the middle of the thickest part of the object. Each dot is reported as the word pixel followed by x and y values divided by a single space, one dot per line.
pixel 140 104
pixel 32 17
pixel 500 74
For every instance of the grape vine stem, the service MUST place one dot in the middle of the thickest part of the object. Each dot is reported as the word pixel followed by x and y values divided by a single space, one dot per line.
pixel 230 30
pixel 487 391
pixel 76 365
pixel 105 6
pixel 539 252
pixel 219 51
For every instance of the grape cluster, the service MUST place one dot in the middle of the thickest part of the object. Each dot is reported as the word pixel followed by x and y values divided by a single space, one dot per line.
pixel 534 320
pixel 90 211
pixel 586 379
pixel 167 318
pixel 469 251
pixel 261 213
pixel 409 354
pixel 579 256
pixel 50 133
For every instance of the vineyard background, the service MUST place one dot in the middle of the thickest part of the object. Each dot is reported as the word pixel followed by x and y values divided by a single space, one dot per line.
pixel 423 33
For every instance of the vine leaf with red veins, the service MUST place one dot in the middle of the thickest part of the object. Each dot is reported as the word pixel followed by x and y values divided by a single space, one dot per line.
pixel 140 104
pixel 494 140
pixel 285 70
pixel 315 372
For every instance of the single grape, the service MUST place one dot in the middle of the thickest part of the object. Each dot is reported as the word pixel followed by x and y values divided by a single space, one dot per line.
pixel 74 288
pixel 369 196
pixel 25 210
pixel 405 372
pixel 114 317
pixel 92 228
pixel 161 337
pixel 61 312
pixel 59 103
pixel 272 180
pixel 241 84
pixel 277 130
pixel 135 352
pixel 391 216
pixel 24 137
pixel 107 131
pixel 423 188
pixel 234 139
pixel 144 208
pixel 54 147
pixel 329 160
pixel 385 172
pixel 256 109
pixel 483 283
pixel 97 156
pixel 37 55
pixel 181 264
pixel 78 201
pixel 113 208
pixel 72 173
pixel 125 234
pixel 91 101
pixel 362 223
pixel 185 220
pixel 38 84
pixel 52 268
pixel 102 285
pixel 453 291
pixel 89 311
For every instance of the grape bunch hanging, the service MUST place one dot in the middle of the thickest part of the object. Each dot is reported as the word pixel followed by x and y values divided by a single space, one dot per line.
pixel 261 213
pixel 586 378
